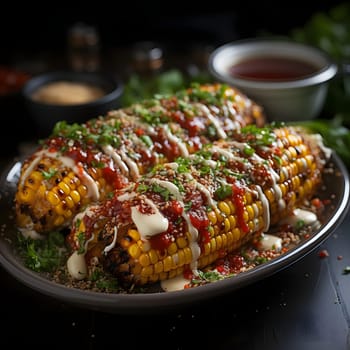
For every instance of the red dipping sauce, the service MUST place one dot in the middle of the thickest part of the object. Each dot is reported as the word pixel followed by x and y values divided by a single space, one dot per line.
pixel 272 68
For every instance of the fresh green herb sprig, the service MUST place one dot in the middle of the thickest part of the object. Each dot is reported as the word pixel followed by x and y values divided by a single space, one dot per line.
pixel 43 255
pixel 335 135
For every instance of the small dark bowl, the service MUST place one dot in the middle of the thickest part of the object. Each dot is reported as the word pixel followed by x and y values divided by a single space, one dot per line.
pixel 46 115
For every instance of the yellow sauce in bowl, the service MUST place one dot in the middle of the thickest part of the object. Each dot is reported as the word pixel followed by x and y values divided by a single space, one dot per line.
pixel 67 93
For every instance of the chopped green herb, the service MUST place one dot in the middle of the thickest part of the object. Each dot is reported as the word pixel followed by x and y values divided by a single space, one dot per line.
pixel 223 192
pixel 43 255
pixel 49 174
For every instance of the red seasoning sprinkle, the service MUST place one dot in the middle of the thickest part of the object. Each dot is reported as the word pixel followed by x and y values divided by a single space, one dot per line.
pixel 323 253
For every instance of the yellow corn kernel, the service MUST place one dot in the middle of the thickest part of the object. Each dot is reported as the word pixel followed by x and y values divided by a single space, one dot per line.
pixel 136 269
pixel 227 224
pixel 69 202
pixel 181 242
pixel 64 187
pixel 59 220
pixel 172 249
pixel 153 256
pixel 53 198
pixel 181 258
pixel 250 212
pixel 134 234
pixel 82 190
pixel 144 259
pixel 213 245
pixel 236 234
pixel 158 267
pixel 75 196
pixel 147 271
pixel 224 208
pixel 134 251
pixel 188 255
pixel 218 242
pixel 212 217
pixel 168 263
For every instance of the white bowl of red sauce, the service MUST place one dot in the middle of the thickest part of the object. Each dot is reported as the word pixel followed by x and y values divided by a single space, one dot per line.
pixel 289 80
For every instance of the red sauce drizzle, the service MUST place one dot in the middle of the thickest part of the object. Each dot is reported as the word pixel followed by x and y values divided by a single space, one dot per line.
pixel 238 199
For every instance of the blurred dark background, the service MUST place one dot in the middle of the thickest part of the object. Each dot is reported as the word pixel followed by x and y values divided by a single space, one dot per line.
pixel 34 37
pixel 30 27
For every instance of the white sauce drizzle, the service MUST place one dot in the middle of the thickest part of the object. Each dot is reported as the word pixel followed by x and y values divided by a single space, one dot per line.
pixel 266 208
pixel 110 151
pixel 175 283
pixel 221 132
pixel 77 266
pixel 76 263
pixel 306 216
pixel 174 139
pixel 30 233
pixel 133 168
pixel 112 245
pixel 193 244
pixel 149 224
pixel 269 242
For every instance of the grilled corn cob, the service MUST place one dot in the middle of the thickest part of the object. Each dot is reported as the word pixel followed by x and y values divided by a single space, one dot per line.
pixel 184 215
pixel 79 164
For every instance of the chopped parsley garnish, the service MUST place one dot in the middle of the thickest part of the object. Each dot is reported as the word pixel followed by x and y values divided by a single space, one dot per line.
pixel 49 174
pixel 259 136
pixel 43 255
pixel 223 192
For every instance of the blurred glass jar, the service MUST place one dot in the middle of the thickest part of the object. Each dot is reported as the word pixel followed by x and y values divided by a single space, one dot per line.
pixel 83 48
pixel 147 58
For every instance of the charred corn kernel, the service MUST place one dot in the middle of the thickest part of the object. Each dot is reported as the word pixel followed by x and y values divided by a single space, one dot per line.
pixel 137 268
